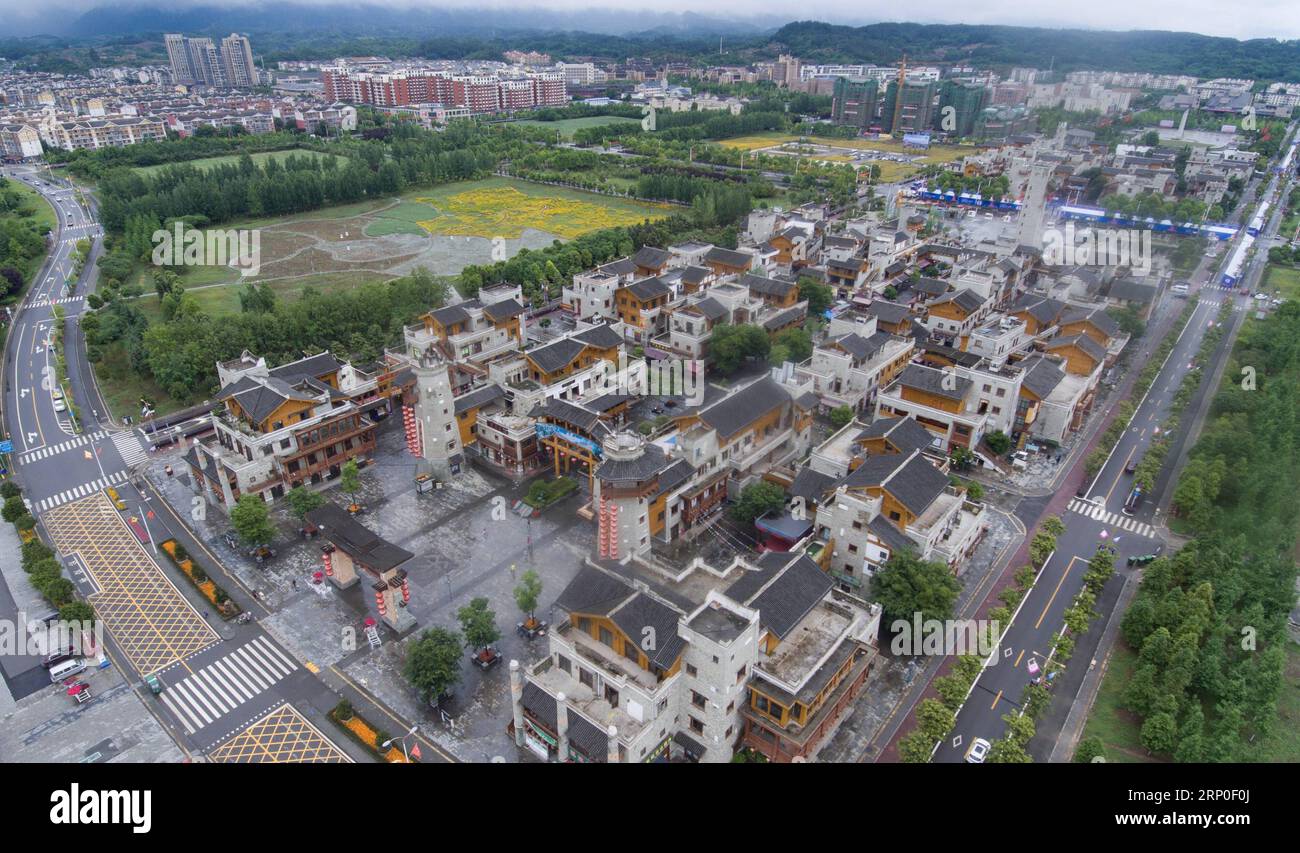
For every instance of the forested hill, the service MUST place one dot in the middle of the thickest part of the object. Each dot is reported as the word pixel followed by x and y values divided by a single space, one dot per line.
pixel 1065 50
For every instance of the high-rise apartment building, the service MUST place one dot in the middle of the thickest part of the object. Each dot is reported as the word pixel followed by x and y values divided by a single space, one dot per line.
pixel 200 61
pixel 205 61
pixel 237 60
pixel 179 56
pixel 854 101
pixel 913 112
pixel 959 107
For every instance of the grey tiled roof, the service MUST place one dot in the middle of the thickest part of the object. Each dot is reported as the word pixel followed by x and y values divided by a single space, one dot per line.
pixel 504 309
pixel 729 257
pixel 478 397
pixel 1041 377
pixel 645 466
pixel 593 591
pixel 741 408
pixel 1083 342
pixel 811 484
pixel 888 312
pixel 917 484
pixel 1042 309
pixel 767 286
pixel 1099 318
pixel 966 299
pixel 260 396
pixel 649 288
pixel 711 308
pixel 643 611
pixel 623 266
pixel 786 317
pixel 904 433
pixel 565 412
pixel 695 275
pixel 886 532
pixel 555 356
pixel 455 313
pixel 356 540
pixel 783 591
pixel 313 366
pixel 941 383
pixel 601 337
pixel 652 258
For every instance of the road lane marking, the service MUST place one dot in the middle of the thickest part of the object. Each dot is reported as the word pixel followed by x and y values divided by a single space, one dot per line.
pixel 1065 574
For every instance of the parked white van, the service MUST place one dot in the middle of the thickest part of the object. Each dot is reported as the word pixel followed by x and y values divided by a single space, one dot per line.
pixel 60 671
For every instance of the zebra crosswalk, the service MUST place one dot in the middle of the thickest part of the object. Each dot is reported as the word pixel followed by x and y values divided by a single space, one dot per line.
pixel 45 303
pixel 61 447
pixel 128 445
pixel 78 492
pixel 1114 519
pixel 211 693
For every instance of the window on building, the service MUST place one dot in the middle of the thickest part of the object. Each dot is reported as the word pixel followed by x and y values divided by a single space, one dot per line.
pixel 563 663
pixel 697 726
pixel 697 700
pixel 606 636
pixel 584 677
pixel 691 670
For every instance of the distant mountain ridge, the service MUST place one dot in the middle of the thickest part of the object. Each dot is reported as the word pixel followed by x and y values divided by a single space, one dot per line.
pixel 376 19
pixel 1156 51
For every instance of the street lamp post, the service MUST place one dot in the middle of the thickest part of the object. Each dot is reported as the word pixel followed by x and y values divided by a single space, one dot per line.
pixel 401 740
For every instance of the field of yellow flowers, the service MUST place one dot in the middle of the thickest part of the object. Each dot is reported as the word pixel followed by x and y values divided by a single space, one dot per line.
pixel 505 211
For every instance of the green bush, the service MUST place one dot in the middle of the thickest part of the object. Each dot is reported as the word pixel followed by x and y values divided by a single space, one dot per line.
pixel 9 489
pixel 13 509
pixel 35 551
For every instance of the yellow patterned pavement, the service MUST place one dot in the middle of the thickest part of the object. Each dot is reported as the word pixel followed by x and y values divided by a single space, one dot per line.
pixel 148 618
pixel 281 737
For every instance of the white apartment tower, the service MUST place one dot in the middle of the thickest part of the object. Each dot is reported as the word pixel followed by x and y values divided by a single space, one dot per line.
pixel 237 58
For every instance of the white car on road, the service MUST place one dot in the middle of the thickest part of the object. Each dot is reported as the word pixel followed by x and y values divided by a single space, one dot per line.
pixel 979 750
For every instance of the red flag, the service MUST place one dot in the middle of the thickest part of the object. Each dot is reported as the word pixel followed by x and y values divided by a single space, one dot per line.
pixel 415 750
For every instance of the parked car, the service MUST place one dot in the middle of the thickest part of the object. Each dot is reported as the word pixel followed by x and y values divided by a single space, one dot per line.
pixel 979 750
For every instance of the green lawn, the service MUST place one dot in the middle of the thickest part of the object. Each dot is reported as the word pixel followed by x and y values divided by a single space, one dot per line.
pixel 223 298
pixel 122 387
pixel 566 126
pixel 1117 728
pixel 1284 279
pixel 42 215
pixel 230 159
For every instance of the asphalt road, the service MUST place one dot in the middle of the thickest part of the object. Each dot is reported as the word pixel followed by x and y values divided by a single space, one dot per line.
pixel 1097 516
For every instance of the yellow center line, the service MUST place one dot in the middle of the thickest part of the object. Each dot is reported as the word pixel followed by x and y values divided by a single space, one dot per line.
pixel 1018 657
pixel 1065 574
pixel 996 699
pixel 1121 473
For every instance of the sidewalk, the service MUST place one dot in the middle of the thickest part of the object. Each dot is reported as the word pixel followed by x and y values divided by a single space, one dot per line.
pixel 874 717
pixel 1068 738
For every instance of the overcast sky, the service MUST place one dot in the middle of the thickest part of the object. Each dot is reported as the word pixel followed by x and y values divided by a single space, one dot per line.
pixel 1239 19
